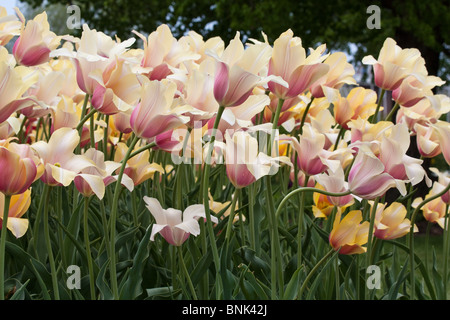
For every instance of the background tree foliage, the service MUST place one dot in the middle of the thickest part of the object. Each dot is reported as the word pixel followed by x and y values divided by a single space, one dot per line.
pixel 339 23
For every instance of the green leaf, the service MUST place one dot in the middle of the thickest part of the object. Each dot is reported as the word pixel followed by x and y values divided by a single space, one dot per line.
pixel 420 265
pixel 102 285
pixel 36 267
pixel 20 292
pixel 437 279
pixel 132 287
pixel 393 293
pixel 163 292
pixel 292 287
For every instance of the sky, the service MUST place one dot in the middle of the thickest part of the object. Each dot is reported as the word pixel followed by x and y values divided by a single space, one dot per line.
pixel 9 5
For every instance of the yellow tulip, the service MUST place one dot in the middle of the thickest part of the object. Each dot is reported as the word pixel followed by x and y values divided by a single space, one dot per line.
pixel 17 208
pixel 349 234
pixel 390 223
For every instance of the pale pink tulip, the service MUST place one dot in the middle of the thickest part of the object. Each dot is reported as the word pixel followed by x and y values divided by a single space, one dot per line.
pixel 394 64
pixel 174 225
pixel 94 179
pixel 154 114
pixel 335 182
pixel 61 164
pixel 443 130
pixel 9 26
pixel 289 62
pixel 340 72
pixel 367 178
pixel 390 221
pixel 118 88
pixel 240 71
pixel 397 163
pixel 19 166
pixel 36 41
pixel 245 163
pixel 427 140
pixel 312 157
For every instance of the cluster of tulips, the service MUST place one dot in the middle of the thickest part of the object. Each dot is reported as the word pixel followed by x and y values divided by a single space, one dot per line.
pixel 196 169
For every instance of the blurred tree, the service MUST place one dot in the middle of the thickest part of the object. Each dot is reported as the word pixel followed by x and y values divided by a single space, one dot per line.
pixel 342 24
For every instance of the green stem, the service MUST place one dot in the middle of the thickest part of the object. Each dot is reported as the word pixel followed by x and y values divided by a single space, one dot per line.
pixel 369 239
pixel 411 236
pixel 205 189
pixel 276 260
pixel 305 189
pixel 251 201
pixel 84 119
pixel 141 149
pixel 340 135
pixel 300 225
pixel 3 245
pixel 113 218
pixel 427 241
pixel 88 248
pixel 105 137
pixel 49 244
pixel 336 277
pixel 92 130
pixel 392 112
pixel 231 216
pixel 371 226
pixel 305 114
pixel 312 272
pixel 446 247
pixel 186 273
pixel 375 115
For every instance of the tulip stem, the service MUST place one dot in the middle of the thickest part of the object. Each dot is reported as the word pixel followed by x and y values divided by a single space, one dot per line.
pixel 311 273
pixel 231 215
pixel 300 225
pixel 186 273
pixel 205 190
pixel 340 135
pixel 392 112
pixel 83 120
pixel 141 149
pixel 49 244
pixel 305 189
pixel 411 236
pixel 88 248
pixel 3 244
pixel 113 218
pixel 305 114
pixel 276 261
pixel 251 202
pixel 369 239
pixel 375 115
pixel 446 247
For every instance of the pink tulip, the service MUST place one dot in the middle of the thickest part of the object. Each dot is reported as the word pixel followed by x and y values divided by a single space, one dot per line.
pixel 394 64
pixel 61 164
pixel 443 130
pixel 367 178
pixel 335 182
pixel 19 167
pixel 289 62
pixel 312 157
pixel 35 43
pixel 173 225
pixel 154 114
pixel 94 179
